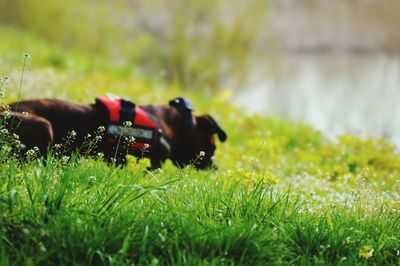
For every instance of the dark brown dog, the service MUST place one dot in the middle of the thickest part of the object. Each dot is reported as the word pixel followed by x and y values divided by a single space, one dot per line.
pixel 49 121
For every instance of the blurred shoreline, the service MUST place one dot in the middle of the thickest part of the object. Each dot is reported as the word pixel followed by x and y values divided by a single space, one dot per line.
pixel 336 94
pixel 324 26
pixel 333 65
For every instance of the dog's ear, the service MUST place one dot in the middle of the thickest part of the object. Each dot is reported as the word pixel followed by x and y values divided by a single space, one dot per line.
pixel 209 123
pixel 185 108
pixel 182 104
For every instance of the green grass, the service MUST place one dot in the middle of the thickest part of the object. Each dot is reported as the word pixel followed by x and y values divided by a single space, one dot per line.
pixel 86 212
pixel 283 194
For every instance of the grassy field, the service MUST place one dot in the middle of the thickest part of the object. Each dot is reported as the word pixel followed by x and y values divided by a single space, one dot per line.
pixel 283 193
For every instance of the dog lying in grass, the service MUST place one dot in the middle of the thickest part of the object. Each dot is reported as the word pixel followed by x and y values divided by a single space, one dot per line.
pixel 165 131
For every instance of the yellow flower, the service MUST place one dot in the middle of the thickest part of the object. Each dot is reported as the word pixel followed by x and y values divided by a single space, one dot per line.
pixel 366 252
pixel 273 180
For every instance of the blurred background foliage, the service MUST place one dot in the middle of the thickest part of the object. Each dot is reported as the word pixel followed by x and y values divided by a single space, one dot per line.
pixel 206 43
pixel 189 42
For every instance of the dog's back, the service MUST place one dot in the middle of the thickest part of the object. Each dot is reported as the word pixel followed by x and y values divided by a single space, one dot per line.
pixel 64 116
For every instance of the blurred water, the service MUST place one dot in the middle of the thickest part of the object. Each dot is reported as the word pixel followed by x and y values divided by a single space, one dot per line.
pixel 336 94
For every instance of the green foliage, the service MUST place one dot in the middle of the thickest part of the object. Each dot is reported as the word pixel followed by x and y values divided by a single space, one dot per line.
pixel 62 22
pixel 195 43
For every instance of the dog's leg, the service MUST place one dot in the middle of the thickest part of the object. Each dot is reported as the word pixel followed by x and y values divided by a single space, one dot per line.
pixel 155 163
pixel 33 131
pixel 158 157
pixel 115 155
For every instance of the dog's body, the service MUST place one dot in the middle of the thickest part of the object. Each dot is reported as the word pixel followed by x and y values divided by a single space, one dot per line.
pixel 49 121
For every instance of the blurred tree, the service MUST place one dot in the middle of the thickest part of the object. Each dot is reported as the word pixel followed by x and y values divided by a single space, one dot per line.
pixel 190 42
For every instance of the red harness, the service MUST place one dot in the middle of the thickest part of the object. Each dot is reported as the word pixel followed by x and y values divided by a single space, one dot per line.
pixel 121 111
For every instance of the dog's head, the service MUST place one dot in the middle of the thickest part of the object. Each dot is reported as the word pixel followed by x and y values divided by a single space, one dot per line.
pixel 195 140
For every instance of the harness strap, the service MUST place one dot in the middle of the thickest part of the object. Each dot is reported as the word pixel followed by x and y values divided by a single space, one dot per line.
pixel 143 128
pixel 165 143
pixel 127 111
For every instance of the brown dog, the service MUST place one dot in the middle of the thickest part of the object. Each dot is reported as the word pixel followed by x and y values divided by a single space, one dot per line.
pixel 177 134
